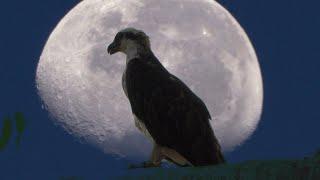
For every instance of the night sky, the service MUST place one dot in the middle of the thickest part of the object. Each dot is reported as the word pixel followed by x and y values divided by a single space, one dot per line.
pixel 284 34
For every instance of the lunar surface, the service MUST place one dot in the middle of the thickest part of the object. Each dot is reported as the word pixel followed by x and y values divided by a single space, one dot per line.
pixel 197 40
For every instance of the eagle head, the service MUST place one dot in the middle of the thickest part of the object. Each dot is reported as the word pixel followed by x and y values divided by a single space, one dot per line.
pixel 129 38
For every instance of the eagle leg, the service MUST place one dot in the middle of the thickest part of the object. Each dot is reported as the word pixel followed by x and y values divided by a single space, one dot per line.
pixel 155 159
pixel 173 156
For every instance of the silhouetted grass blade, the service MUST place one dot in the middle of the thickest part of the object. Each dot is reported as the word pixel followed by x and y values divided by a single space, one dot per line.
pixel 6 133
pixel 20 122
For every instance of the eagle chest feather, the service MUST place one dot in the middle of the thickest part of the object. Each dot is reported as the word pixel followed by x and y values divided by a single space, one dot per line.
pixel 138 123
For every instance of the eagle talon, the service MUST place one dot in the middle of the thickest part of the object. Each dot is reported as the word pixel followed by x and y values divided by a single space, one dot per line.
pixel 145 164
pixel 148 164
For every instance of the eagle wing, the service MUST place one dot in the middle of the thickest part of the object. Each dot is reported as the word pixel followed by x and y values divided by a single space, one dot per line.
pixel 173 115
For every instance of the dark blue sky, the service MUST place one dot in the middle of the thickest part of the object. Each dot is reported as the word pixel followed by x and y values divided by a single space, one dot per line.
pixel 284 34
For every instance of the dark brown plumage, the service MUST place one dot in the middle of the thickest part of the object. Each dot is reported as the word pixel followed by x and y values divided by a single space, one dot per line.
pixel 174 116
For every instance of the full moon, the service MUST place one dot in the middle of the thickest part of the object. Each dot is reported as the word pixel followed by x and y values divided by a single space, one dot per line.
pixel 196 40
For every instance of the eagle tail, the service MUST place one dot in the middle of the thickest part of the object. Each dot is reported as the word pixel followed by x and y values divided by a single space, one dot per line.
pixel 219 155
pixel 216 156
pixel 207 152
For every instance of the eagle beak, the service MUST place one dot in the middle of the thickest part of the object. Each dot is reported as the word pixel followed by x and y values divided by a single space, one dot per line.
pixel 113 48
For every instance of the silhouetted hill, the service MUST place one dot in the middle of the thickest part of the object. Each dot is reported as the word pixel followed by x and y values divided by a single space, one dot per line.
pixel 305 169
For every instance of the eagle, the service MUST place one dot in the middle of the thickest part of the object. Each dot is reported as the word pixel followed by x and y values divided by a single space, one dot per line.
pixel 164 108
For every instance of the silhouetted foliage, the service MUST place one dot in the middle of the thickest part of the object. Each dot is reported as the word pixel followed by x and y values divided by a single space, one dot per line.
pixel 317 156
pixel 6 132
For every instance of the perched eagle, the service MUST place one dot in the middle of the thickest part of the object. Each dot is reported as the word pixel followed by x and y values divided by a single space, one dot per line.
pixel 164 108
